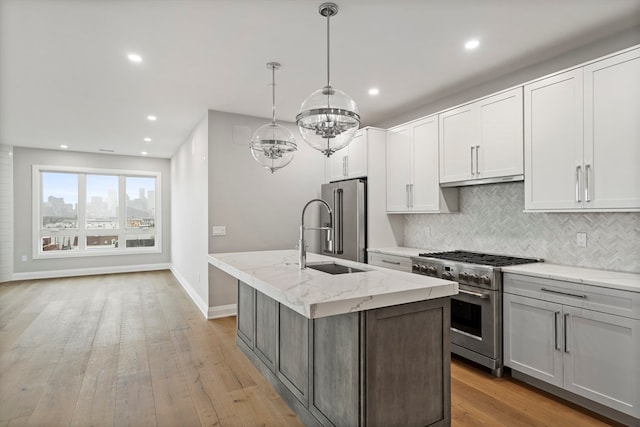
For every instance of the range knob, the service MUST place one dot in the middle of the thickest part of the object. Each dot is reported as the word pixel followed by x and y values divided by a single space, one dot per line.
pixel 447 275
pixel 464 276
pixel 485 280
pixel 474 278
pixel 432 271
pixel 415 267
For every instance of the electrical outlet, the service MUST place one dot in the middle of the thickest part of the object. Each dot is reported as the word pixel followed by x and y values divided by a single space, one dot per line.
pixel 24 258
pixel 219 230
pixel 581 240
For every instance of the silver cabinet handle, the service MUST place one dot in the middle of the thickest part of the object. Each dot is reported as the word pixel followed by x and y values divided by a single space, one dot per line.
pixel 472 148
pixel 410 195
pixel 566 340
pixel 578 173
pixel 391 262
pixel 344 166
pixel 587 169
pixel 474 294
pixel 569 294
pixel 555 330
pixel 406 189
pixel 477 164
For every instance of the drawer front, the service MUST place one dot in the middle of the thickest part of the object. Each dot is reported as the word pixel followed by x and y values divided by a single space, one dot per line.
pixel 605 300
pixel 395 262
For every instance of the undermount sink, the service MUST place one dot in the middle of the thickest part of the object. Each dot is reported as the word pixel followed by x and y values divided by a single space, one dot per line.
pixel 333 268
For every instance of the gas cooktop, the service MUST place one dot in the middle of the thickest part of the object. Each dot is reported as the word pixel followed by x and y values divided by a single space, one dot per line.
pixel 479 258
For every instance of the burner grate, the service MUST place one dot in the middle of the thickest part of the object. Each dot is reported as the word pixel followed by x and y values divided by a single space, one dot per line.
pixel 479 258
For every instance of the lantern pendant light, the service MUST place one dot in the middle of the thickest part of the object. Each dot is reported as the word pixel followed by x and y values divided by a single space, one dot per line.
pixel 273 145
pixel 328 119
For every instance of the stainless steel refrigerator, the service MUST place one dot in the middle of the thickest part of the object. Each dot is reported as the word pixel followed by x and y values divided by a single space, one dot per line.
pixel 348 201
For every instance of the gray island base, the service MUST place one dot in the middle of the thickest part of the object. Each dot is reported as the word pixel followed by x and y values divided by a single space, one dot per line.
pixel 382 367
pixel 369 348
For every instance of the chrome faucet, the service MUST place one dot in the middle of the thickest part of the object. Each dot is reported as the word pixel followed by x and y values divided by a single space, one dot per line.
pixel 302 250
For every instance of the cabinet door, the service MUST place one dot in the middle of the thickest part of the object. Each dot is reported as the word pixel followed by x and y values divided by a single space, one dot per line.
pixel 553 140
pixel 458 139
pixel 357 160
pixel 335 390
pixel 425 192
pixel 246 312
pixel 612 132
pixel 500 149
pixel 398 168
pixel 336 165
pixel 293 351
pixel 601 358
pixel 265 343
pixel 533 337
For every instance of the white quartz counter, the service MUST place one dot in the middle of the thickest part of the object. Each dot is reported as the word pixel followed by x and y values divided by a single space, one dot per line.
pixel 603 278
pixel 315 294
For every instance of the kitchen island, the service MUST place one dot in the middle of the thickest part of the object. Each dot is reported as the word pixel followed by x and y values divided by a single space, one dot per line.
pixel 367 348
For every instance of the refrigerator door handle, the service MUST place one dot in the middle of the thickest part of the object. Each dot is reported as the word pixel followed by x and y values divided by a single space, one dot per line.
pixel 337 220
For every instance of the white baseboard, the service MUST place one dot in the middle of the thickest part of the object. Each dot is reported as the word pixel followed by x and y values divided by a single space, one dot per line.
pixel 218 311
pixel 197 299
pixel 32 275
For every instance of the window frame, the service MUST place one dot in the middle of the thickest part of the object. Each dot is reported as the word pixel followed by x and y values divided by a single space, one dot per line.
pixel 123 232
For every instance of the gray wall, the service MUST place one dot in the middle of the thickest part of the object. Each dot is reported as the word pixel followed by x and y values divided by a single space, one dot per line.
pixel 491 219
pixel 23 158
pixel 261 210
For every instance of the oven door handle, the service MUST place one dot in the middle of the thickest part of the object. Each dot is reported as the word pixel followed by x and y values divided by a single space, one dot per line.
pixel 474 294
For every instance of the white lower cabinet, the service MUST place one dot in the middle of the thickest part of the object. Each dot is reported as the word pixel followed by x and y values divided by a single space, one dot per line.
pixel 551 333
pixel 395 262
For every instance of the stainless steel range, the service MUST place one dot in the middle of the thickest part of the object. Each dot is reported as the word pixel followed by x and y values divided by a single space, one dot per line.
pixel 476 312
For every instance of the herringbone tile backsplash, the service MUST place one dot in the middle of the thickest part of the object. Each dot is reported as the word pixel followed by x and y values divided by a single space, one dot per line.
pixel 491 219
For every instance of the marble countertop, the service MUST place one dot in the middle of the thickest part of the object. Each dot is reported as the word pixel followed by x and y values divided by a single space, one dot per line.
pixel 602 278
pixel 315 294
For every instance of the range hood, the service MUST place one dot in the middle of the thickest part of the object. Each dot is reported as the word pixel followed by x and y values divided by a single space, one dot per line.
pixel 495 180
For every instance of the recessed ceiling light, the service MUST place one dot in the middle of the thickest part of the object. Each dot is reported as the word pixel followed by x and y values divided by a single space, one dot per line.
pixel 144 153
pixel 134 57
pixel 147 140
pixel 374 91
pixel 472 44
pixel 152 118
pixel 64 146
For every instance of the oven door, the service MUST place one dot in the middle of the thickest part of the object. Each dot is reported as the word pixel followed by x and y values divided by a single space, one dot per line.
pixel 475 320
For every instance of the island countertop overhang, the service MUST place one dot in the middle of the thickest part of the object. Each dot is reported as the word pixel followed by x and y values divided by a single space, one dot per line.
pixel 314 294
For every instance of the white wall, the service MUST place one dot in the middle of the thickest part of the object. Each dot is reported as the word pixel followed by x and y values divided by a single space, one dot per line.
pixel 6 213
pixel 23 159
pixel 189 189
pixel 261 210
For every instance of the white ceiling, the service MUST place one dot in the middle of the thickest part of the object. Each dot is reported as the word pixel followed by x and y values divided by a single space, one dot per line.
pixel 65 77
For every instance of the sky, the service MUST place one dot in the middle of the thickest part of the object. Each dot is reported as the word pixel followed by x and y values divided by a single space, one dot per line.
pixel 65 185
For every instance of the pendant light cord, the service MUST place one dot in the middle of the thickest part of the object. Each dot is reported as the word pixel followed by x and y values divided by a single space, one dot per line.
pixel 328 49
pixel 273 94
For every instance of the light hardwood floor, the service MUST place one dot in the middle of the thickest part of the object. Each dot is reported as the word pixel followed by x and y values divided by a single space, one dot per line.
pixel 133 350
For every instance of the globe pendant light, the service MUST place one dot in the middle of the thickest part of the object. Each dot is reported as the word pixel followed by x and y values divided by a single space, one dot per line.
pixel 328 119
pixel 273 145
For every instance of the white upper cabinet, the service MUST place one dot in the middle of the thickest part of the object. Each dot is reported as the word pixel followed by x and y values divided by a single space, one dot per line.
pixel 612 132
pixel 582 138
pixel 482 141
pixel 351 161
pixel 412 170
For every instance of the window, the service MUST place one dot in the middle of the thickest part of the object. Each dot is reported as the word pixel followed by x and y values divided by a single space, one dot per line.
pixel 83 212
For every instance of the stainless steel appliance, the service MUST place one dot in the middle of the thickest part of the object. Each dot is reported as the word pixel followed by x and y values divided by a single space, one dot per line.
pixel 476 312
pixel 347 200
